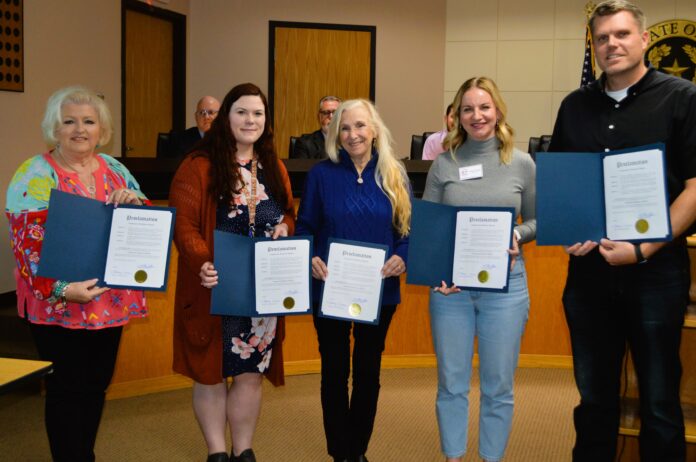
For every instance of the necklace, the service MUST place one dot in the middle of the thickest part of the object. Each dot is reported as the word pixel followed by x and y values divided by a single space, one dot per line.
pixel 251 197
pixel 360 180
pixel 91 184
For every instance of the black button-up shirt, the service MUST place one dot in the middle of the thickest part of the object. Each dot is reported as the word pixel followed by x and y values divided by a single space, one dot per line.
pixel 658 108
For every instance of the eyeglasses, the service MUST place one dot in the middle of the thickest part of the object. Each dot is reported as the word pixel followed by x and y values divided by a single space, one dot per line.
pixel 206 113
pixel 327 113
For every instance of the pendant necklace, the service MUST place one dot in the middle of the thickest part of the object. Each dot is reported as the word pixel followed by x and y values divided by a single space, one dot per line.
pixel 251 198
pixel 91 186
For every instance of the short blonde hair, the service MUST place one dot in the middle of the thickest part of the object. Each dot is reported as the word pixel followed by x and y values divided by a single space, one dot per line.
pixel 390 173
pixel 612 7
pixel 75 95
pixel 503 131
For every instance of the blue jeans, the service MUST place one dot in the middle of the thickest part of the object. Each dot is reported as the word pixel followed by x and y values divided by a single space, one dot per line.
pixel 606 308
pixel 498 320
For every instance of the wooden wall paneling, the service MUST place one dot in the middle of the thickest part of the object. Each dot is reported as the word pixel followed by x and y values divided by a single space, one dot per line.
pixel 310 64
pixel 546 332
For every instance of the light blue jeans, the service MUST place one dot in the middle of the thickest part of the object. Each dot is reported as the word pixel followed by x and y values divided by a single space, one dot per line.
pixel 498 320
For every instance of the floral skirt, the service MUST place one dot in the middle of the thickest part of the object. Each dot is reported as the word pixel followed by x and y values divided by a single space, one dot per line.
pixel 247 344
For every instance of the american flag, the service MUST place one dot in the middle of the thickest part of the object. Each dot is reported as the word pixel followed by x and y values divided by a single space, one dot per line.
pixel 588 64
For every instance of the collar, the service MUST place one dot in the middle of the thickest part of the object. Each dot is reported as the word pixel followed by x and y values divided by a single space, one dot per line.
pixel 344 159
pixel 645 82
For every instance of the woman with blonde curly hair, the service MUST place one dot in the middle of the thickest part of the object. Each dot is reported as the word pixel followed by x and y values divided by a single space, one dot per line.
pixel 360 193
pixel 501 176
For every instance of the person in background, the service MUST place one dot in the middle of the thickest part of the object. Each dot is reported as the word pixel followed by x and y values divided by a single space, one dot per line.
pixel 181 143
pixel 76 325
pixel 235 183
pixel 311 145
pixel 621 292
pixel 433 144
pixel 360 193
pixel 483 141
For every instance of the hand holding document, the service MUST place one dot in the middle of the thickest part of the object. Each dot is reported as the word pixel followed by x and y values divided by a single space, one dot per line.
pixel 467 246
pixel 353 288
pixel 261 277
pixel 125 247
pixel 620 195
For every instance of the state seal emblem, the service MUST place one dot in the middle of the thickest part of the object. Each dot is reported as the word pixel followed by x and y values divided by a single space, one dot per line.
pixel 672 48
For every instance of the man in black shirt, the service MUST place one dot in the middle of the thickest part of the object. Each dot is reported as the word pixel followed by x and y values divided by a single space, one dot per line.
pixel 618 292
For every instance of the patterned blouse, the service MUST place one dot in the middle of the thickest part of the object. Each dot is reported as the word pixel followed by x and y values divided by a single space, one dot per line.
pixel 27 210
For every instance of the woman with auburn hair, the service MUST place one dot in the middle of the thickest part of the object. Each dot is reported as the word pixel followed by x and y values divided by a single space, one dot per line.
pixel 483 140
pixel 360 193
pixel 232 182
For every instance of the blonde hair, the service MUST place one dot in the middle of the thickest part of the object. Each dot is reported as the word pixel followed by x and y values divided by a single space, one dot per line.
pixel 75 95
pixel 390 173
pixel 503 131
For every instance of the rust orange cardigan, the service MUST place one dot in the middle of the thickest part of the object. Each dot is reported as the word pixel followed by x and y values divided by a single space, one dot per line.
pixel 197 334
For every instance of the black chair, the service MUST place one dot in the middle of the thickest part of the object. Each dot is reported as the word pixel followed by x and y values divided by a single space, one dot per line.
pixel 538 144
pixel 426 135
pixel 163 145
pixel 417 142
pixel 291 147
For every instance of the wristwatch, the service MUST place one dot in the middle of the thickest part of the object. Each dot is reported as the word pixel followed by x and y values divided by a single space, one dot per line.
pixel 640 258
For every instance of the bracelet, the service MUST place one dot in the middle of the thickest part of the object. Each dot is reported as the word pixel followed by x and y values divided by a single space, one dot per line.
pixel 62 294
pixel 640 258
pixel 58 292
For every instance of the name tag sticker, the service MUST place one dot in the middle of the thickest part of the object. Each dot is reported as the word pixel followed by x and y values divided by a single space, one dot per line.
pixel 471 172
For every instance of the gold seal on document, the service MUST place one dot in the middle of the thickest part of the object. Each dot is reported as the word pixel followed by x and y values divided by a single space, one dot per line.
pixel 483 276
pixel 354 309
pixel 288 303
pixel 140 276
pixel 642 226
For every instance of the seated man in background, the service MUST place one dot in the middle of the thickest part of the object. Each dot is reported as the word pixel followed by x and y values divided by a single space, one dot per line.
pixel 181 143
pixel 433 145
pixel 311 145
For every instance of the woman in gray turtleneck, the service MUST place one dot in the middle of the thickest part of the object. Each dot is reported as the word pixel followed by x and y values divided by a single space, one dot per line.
pixel 497 175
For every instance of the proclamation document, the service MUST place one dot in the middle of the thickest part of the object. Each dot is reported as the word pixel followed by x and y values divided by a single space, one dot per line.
pixel 482 240
pixel 282 272
pixel 353 288
pixel 139 245
pixel 635 196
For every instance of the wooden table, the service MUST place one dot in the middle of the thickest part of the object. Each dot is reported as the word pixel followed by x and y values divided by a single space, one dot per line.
pixel 13 371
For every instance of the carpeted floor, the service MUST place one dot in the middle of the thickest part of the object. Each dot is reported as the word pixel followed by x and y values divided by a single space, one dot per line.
pixel 161 427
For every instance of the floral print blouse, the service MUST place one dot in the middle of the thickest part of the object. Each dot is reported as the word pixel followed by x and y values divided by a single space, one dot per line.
pixel 27 210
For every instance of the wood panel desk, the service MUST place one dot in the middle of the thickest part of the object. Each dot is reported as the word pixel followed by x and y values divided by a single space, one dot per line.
pixel 13 371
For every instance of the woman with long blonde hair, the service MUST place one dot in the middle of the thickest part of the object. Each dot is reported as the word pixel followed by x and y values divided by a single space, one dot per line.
pixel 360 193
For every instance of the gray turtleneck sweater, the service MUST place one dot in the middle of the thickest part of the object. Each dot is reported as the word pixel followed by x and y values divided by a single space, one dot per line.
pixel 502 185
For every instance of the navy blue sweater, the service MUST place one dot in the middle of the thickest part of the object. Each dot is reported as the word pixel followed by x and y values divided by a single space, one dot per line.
pixel 335 205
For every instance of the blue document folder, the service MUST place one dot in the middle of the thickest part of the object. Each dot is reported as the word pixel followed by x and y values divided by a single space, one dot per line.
pixel 570 202
pixel 431 243
pixel 348 317
pixel 77 239
pixel 235 293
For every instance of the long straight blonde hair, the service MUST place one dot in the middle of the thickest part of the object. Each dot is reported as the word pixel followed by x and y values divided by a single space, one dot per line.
pixel 503 131
pixel 390 173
